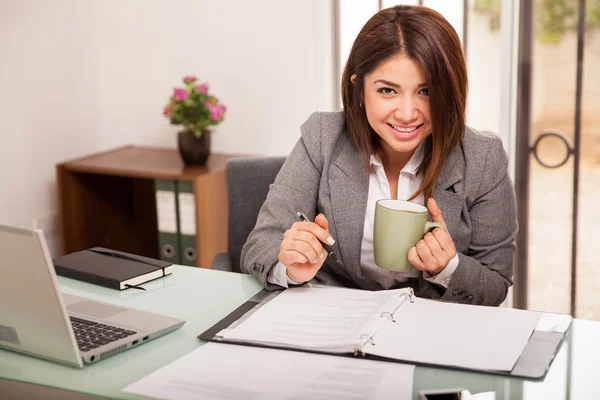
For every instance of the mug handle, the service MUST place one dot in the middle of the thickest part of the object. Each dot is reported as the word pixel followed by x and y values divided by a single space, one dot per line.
pixel 429 226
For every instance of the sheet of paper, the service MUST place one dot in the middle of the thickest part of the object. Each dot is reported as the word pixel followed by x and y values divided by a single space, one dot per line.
pixel 332 319
pixel 233 372
pixel 467 336
pixel 554 322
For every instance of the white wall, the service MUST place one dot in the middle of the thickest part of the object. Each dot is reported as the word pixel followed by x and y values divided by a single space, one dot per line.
pixel 81 76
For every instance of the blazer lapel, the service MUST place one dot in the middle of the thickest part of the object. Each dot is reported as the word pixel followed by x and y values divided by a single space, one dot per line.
pixel 349 188
pixel 451 201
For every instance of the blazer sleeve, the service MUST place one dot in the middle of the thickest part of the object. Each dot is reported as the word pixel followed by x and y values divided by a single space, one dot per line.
pixel 295 189
pixel 484 273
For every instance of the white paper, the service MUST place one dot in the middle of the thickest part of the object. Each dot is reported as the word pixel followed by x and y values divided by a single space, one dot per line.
pixel 550 322
pixel 233 372
pixel 467 336
pixel 330 319
pixel 166 211
pixel 187 214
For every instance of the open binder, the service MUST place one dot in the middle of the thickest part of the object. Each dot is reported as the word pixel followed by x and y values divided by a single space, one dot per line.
pixel 396 326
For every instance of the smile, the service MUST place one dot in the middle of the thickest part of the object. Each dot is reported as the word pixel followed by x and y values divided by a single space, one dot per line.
pixel 405 132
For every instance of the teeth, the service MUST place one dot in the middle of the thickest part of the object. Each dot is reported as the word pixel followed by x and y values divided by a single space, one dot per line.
pixel 404 130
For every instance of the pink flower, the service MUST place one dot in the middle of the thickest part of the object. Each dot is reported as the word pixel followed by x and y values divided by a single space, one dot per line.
pixel 167 111
pixel 190 79
pixel 202 88
pixel 216 110
pixel 180 94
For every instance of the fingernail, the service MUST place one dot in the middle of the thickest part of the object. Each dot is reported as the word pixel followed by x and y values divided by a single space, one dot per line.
pixel 314 261
pixel 322 255
pixel 330 240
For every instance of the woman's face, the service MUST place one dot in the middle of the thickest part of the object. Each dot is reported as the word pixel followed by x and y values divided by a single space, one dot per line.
pixel 396 101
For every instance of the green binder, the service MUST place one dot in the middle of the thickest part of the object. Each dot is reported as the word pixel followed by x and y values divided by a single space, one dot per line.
pixel 187 223
pixel 167 218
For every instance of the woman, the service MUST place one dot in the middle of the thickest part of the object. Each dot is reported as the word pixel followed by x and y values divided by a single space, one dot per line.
pixel 401 135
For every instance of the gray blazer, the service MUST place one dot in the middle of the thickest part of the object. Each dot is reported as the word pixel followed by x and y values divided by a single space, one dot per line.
pixel 324 174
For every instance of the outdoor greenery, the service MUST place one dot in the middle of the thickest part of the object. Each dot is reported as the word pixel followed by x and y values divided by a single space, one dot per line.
pixel 554 18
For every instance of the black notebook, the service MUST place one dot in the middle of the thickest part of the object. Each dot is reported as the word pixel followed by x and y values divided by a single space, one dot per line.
pixel 111 268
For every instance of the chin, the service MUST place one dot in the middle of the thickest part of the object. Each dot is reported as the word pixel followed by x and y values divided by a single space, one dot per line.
pixel 405 147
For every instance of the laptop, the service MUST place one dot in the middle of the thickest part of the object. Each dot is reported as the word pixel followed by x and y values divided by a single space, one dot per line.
pixel 36 319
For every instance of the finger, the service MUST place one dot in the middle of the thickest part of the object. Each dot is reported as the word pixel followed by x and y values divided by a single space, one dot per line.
pixel 435 248
pixel 302 272
pixel 321 234
pixel 444 240
pixel 414 260
pixel 434 210
pixel 289 258
pixel 322 222
pixel 425 255
pixel 309 238
pixel 301 247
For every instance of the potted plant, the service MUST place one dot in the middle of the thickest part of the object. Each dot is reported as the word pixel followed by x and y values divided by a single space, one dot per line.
pixel 194 108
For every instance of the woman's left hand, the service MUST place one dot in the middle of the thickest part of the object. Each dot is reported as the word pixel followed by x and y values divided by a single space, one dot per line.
pixel 433 253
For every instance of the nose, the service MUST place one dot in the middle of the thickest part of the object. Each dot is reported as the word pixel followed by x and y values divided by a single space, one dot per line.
pixel 406 109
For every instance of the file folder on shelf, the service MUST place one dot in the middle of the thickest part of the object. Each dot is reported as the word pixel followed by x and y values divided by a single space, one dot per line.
pixel 167 218
pixel 187 223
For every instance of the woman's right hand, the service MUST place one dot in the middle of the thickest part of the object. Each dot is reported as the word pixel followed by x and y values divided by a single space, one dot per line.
pixel 301 251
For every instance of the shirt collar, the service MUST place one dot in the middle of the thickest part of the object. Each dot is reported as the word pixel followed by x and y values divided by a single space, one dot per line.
pixel 411 166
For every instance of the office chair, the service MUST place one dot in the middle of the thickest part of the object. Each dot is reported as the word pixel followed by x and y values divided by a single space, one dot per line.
pixel 248 181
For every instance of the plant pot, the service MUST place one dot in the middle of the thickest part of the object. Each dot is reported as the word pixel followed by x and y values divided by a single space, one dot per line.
pixel 193 150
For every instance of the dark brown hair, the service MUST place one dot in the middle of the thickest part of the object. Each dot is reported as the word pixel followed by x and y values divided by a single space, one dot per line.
pixel 424 36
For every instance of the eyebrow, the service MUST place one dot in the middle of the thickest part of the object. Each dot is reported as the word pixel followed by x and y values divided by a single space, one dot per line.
pixel 394 85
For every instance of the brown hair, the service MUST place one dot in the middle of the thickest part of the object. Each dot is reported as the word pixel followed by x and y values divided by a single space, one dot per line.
pixel 425 36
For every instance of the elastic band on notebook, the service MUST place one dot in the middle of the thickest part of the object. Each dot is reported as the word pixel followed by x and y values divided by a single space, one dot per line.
pixel 134 287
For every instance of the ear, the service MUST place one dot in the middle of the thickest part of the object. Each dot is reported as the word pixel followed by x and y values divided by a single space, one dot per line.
pixel 353 78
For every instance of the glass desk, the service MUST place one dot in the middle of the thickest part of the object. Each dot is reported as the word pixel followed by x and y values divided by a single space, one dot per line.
pixel 202 297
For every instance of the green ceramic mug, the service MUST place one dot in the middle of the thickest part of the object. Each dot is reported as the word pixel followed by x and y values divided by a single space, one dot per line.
pixel 399 225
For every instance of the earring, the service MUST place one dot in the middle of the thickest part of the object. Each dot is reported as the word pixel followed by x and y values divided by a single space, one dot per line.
pixel 361 105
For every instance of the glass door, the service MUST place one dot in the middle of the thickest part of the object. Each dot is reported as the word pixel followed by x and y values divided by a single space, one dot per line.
pixel 557 154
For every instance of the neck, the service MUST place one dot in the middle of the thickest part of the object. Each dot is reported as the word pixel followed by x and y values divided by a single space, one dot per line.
pixel 393 162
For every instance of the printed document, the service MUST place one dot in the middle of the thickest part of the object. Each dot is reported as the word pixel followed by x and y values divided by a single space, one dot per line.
pixel 233 372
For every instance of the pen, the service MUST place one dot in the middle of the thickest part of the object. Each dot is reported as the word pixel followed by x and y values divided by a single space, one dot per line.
pixel 325 245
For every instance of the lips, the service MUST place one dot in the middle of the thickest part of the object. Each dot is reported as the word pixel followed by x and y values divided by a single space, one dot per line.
pixel 405 133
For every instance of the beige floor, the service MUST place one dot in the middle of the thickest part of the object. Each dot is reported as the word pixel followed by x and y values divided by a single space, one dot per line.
pixel 550 209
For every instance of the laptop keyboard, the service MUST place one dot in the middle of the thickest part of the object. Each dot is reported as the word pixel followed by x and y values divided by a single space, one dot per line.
pixel 90 334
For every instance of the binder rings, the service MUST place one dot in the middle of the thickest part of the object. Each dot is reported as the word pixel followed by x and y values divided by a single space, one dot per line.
pixel 399 332
pixel 187 223
pixel 167 218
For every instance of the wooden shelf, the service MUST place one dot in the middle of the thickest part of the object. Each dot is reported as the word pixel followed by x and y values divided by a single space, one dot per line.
pixel 108 200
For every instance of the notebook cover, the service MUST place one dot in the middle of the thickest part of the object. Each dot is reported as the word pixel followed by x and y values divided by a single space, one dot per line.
pixel 105 267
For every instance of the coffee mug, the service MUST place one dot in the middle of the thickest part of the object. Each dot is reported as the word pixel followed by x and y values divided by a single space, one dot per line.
pixel 399 225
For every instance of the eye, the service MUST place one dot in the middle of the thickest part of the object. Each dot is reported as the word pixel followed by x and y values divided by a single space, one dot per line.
pixel 386 91
pixel 424 91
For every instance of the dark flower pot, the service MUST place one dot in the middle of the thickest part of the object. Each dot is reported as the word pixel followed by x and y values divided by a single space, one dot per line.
pixel 194 151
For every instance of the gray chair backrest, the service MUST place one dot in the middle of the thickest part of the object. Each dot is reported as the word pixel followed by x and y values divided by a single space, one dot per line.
pixel 248 181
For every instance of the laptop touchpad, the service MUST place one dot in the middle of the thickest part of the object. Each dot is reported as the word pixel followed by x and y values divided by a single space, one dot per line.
pixel 95 310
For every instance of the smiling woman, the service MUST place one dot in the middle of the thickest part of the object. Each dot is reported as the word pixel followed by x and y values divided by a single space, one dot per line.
pixel 416 48
pixel 401 135
pixel 398 112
